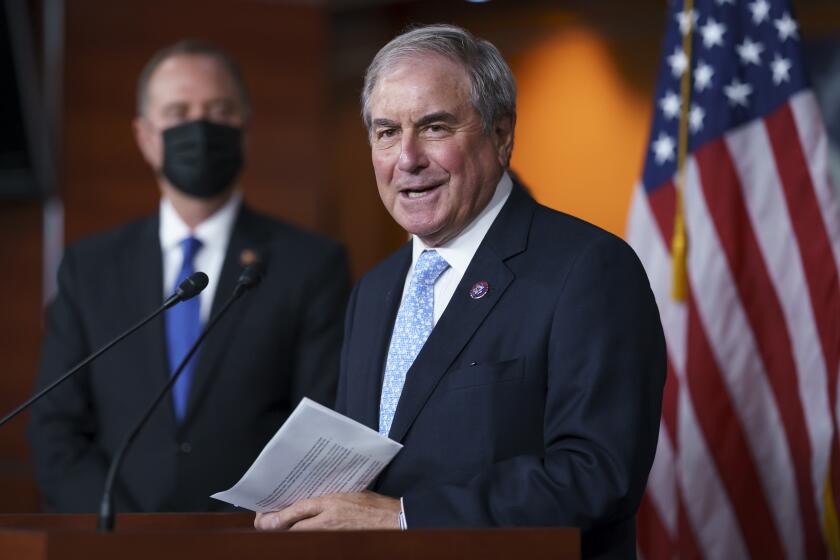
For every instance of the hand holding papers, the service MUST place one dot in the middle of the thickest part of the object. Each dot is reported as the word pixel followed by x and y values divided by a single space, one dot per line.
pixel 317 451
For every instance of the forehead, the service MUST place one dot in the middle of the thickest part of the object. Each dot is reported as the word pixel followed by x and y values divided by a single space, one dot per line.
pixel 189 77
pixel 420 84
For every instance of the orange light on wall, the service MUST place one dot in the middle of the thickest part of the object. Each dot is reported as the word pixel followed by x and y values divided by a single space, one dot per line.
pixel 581 131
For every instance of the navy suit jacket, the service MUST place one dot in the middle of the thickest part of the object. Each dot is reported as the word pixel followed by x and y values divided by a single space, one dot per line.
pixel 278 343
pixel 536 405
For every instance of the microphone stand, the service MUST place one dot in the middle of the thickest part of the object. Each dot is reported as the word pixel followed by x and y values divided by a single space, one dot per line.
pixel 180 294
pixel 106 519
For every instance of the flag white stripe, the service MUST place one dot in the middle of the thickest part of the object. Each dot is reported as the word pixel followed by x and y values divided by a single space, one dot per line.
pixel 765 200
pixel 733 345
pixel 707 505
pixel 645 238
pixel 814 142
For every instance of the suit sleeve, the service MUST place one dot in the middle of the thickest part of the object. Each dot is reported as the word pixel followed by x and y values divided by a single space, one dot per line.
pixel 319 339
pixel 70 467
pixel 606 369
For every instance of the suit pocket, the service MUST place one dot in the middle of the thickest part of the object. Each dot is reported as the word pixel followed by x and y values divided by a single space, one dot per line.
pixel 485 374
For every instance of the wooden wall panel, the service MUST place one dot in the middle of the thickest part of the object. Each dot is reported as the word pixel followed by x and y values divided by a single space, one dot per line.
pixel 20 328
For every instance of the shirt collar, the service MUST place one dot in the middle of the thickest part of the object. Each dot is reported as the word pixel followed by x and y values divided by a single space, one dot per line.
pixel 214 230
pixel 459 251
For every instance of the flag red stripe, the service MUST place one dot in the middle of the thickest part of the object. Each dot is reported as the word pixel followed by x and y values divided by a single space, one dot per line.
pixel 651 534
pixel 662 202
pixel 815 249
pixel 763 308
pixel 727 444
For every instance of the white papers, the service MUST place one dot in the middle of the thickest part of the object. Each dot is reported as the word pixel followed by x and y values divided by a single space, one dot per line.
pixel 316 451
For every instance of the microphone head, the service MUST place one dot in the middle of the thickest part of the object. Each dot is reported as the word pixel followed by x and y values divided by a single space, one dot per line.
pixel 192 286
pixel 251 275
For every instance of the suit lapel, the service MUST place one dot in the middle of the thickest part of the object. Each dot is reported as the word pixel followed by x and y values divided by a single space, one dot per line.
pixel 463 316
pixel 142 268
pixel 382 323
pixel 210 355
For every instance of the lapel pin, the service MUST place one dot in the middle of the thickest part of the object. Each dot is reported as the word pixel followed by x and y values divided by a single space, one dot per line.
pixel 248 256
pixel 479 289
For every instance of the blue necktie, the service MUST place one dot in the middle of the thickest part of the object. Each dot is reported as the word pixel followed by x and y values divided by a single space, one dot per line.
pixel 183 326
pixel 413 326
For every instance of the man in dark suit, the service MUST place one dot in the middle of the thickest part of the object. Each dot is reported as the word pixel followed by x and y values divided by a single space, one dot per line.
pixel 516 352
pixel 280 342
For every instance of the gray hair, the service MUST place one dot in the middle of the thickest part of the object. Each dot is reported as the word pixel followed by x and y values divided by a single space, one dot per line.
pixel 196 48
pixel 492 87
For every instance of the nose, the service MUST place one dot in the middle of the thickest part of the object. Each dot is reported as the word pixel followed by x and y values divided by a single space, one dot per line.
pixel 412 155
pixel 205 112
pixel 199 113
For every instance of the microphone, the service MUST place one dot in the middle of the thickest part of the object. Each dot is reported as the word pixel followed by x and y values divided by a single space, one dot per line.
pixel 188 289
pixel 192 285
pixel 250 277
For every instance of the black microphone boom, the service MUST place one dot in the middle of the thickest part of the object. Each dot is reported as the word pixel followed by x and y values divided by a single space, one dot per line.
pixel 188 289
pixel 249 278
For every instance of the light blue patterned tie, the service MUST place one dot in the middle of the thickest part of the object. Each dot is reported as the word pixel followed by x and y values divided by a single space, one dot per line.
pixel 411 329
pixel 183 326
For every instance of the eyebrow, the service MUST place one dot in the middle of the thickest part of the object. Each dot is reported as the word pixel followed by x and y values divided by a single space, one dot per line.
pixel 384 122
pixel 440 116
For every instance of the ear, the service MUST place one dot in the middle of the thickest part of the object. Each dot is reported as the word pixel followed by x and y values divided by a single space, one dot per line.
pixel 148 141
pixel 503 137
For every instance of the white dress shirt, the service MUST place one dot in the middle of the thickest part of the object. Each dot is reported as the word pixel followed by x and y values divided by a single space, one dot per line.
pixel 214 234
pixel 459 251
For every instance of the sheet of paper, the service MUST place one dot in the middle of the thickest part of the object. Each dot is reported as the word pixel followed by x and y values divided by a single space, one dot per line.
pixel 316 451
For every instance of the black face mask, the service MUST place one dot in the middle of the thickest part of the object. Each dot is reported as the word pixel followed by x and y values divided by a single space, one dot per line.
pixel 201 158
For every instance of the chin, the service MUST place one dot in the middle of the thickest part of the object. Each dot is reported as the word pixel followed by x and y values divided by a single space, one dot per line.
pixel 420 230
pixel 415 226
pixel 433 238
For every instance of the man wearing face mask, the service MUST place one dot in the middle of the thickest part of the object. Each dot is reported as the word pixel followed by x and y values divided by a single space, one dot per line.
pixel 278 344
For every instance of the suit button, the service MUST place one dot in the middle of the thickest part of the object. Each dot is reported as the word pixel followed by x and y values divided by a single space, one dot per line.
pixel 185 447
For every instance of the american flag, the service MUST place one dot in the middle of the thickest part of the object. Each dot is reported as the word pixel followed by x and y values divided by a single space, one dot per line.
pixel 747 463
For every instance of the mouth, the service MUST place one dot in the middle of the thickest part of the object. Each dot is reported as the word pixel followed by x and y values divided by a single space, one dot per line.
pixel 413 193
